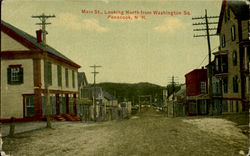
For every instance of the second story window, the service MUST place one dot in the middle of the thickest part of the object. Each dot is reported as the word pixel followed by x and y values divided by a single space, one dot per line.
pixel 216 64
pixel 66 77
pixel 15 74
pixel 233 36
pixel 59 75
pixel 73 78
pixel 203 87
pixel 235 58
pixel 223 41
pixel 235 84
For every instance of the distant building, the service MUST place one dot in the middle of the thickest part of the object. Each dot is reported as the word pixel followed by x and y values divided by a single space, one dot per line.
pixel 231 64
pixel 197 92
pixel 83 101
pixel 22 79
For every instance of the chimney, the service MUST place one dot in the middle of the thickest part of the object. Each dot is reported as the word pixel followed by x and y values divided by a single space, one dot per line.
pixel 39 36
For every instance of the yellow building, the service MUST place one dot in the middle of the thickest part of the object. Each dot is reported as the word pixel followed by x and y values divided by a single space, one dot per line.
pixel 232 59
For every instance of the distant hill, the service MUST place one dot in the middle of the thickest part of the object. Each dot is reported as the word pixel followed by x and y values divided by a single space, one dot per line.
pixel 130 91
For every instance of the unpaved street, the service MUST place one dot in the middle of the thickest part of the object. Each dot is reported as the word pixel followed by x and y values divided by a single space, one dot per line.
pixel 148 133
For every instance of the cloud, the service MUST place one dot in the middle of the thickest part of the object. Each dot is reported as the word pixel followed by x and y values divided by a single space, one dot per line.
pixel 72 21
pixel 171 25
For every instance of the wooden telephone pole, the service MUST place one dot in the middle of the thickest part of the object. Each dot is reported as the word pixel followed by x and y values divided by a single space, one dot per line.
pixel 94 98
pixel 43 19
pixel 173 85
pixel 207 29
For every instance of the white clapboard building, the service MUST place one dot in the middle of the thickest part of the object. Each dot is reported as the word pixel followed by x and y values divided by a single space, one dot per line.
pixel 22 77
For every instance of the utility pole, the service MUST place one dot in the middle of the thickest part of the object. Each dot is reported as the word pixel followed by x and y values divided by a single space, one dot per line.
pixel 207 29
pixel 43 19
pixel 94 99
pixel 173 84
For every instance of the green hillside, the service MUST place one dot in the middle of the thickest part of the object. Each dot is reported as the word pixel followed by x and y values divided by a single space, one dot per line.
pixel 131 92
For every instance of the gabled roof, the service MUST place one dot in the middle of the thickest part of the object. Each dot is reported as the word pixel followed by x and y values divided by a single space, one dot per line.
pixel 82 78
pixel 239 8
pixel 108 96
pixel 33 41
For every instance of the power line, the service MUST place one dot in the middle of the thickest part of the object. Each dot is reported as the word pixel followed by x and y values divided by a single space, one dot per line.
pixel 206 57
pixel 207 35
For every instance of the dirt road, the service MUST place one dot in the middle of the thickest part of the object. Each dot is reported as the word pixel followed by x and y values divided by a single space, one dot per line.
pixel 148 133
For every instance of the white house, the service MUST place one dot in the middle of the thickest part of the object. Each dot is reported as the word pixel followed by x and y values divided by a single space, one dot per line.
pixel 22 79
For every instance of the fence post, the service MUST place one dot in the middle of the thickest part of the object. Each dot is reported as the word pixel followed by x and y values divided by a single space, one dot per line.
pixel 12 127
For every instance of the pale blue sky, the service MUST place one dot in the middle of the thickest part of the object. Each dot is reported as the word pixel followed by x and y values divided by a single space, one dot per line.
pixel 150 50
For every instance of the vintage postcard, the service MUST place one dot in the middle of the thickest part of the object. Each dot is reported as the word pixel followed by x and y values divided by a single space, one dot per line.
pixel 125 77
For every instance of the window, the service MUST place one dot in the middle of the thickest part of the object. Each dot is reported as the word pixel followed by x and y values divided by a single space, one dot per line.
pixel 227 15
pixel 223 41
pixel 15 74
pixel 235 84
pixel 203 87
pixel 233 33
pixel 225 83
pixel 59 75
pixel 29 104
pixel 224 66
pixel 67 77
pixel 217 64
pixel 49 73
pixel 234 58
pixel 217 87
pixel 73 78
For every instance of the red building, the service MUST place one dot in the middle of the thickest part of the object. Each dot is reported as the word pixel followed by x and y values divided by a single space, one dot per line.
pixel 196 92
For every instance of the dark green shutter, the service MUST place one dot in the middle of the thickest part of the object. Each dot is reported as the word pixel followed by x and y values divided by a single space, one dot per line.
pixel 9 75
pixel 59 75
pixel 49 73
pixel 20 75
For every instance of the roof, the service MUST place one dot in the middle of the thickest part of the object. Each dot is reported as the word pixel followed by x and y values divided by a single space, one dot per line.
pixel 33 41
pixel 108 96
pixel 181 92
pixel 239 8
pixel 196 70
pixel 81 78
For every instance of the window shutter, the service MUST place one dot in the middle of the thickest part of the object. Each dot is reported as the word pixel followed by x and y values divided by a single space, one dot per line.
pixel 9 75
pixel 20 75
pixel 49 73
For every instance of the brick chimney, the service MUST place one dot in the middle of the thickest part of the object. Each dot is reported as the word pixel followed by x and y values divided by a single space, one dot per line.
pixel 39 36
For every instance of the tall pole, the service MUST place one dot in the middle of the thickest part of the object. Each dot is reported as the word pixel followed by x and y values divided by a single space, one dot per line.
pixel 94 98
pixel 173 85
pixel 209 66
pixel 43 19
pixel 207 35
